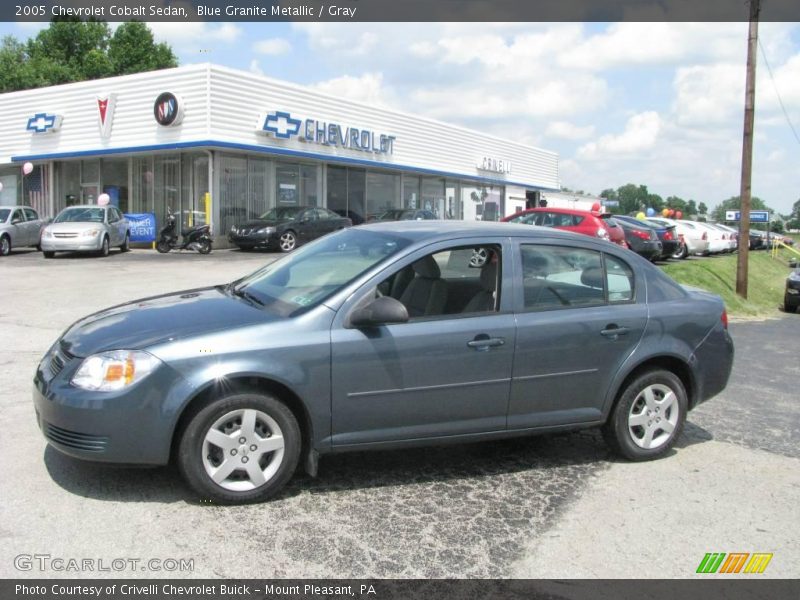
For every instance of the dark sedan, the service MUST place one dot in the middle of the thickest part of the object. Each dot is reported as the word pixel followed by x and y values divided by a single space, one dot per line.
pixel 405 214
pixel 286 227
pixel 670 242
pixel 387 336
pixel 641 238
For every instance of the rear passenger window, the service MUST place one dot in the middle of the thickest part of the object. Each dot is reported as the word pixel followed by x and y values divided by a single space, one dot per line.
pixel 556 277
pixel 30 214
pixel 619 280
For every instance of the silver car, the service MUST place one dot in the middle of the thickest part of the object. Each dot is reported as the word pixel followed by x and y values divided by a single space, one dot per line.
pixel 20 226
pixel 87 228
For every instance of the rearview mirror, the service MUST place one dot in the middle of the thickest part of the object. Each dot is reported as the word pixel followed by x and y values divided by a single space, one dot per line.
pixel 380 311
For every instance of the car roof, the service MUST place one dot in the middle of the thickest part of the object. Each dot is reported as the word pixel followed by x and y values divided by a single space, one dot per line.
pixel 444 230
pixel 87 206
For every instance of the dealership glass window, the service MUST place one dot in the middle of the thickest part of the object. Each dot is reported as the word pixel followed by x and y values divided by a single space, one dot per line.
pixel 337 190
pixel 90 181
pixel 194 185
pixel 411 192
pixel 115 182
pixel 233 191
pixel 356 195
pixel 452 200
pixel 167 185
pixel 141 197
pixel 481 202
pixel 258 187
pixel 383 193
pixel 287 182
pixel 9 177
pixel 309 187
pixel 68 176
pixel 432 193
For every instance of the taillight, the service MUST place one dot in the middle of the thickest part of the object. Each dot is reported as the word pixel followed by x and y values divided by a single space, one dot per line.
pixel 705 236
pixel 724 318
pixel 602 233
pixel 641 234
pixel 668 235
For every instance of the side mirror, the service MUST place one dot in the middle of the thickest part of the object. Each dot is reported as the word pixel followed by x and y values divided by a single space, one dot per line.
pixel 16 221
pixel 380 311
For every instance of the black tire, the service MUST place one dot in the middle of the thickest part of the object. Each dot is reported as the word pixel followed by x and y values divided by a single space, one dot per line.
pixel 192 447
pixel 621 436
pixel 205 247
pixel 104 249
pixel 126 245
pixel 788 307
pixel 49 254
pixel 162 246
pixel 5 245
pixel 287 241
pixel 246 248
pixel 681 253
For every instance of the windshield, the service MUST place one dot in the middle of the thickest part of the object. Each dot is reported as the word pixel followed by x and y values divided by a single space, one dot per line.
pixel 281 214
pixel 80 215
pixel 4 212
pixel 311 274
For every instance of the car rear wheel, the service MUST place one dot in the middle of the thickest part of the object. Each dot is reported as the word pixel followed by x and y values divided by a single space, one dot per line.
pixel 241 448
pixel 648 417
pixel 48 254
pixel 288 241
pixel 5 246
pixel 682 252
pixel 126 245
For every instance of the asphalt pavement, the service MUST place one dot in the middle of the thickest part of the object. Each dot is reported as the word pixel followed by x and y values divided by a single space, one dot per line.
pixel 550 506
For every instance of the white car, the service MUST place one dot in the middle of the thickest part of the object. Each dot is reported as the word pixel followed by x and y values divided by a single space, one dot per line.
pixel 20 226
pixel 695 239
pixel 86 228
pixel 730 234
pixel 716 243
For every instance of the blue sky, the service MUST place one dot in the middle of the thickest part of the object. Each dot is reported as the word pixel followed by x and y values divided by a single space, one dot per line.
pixel 648 103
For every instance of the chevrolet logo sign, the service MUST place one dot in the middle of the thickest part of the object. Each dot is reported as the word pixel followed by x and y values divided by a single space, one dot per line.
pixel 42 122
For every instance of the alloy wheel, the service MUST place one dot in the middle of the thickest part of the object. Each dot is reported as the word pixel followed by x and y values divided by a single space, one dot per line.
pixel 653 416
pixel 288 241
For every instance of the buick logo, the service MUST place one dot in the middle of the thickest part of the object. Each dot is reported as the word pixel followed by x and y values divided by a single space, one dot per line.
pixel 168 109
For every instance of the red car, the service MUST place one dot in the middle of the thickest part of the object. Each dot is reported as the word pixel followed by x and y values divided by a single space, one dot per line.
pixel 568 219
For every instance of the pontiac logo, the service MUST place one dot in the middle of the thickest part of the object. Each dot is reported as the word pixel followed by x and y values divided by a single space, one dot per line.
pixel 106 103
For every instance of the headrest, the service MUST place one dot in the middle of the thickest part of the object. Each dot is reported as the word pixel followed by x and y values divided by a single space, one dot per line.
pixel 427 268
pixel 593 277
pixel 489 276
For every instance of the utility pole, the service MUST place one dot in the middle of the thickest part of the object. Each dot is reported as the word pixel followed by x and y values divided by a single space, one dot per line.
pixel 747 151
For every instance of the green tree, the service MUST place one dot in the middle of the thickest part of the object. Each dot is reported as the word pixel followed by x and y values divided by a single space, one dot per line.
pixel 776 227
pixel 702 209
pixel 796 210
pixel 691 208
pixel 734 203
pixel 632 198
pixel 74 50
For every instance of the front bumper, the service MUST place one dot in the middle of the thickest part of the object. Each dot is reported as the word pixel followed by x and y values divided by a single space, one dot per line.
pixel 791 297
pixel 76 244
pixel 253 240
pixel 131 426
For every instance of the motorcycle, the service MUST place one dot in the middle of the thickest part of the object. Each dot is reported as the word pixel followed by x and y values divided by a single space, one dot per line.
pixel 195 238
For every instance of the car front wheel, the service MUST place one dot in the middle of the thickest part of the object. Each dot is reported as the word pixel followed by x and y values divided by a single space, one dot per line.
pixel 648 417
pixel 239 449
pixel 104 247
pixel 5 246
pixel 288 241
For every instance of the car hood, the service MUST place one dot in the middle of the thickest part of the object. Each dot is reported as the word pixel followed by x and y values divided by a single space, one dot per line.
pixel 142 323
pixel 73 226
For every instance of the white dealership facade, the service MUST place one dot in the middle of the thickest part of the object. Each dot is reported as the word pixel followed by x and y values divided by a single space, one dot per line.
pixel 222 145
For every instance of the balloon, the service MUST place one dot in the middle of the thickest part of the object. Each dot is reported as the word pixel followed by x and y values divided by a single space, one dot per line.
pixel 596 207
pixel 670 213
pixel 651 212
pixel 640 215
pixel 678 214
pixel 27 168
pixel 665 212
pixel 103 199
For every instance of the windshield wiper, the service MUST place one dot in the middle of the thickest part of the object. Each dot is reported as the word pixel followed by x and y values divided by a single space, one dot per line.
pixel 242 293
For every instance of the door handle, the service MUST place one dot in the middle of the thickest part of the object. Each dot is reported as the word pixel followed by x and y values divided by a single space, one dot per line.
pixel 483 342
pixel 614 331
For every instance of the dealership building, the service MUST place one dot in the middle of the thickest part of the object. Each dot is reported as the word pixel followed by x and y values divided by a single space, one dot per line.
pixel 219 145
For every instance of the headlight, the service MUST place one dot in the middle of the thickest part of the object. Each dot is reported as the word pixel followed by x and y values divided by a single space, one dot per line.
pixel 47 233
pixel 266 230
pixel 115 370
pixel 795 276
pixel 90 233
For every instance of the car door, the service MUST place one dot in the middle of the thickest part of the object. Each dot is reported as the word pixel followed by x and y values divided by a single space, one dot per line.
pixel 19 229
pixel 580 313
pixel 436 375
pixel 121 225
pixel 327 221
pixel 305 224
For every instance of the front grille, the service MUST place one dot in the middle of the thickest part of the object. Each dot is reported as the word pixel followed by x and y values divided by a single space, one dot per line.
pixel 73 439
pixel 65 235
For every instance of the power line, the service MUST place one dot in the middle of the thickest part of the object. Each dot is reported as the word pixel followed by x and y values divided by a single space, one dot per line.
pixel 777 93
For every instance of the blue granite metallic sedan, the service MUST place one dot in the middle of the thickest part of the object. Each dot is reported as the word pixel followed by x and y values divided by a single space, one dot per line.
pixel 384 336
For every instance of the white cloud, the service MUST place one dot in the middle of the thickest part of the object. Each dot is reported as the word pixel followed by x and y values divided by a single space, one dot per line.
pixel 193 37
pixel 568 131
pixel 272 46
pixel 640 134
pixel 367 88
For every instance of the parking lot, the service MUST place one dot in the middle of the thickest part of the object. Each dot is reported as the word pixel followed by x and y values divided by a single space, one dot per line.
pixel 552 506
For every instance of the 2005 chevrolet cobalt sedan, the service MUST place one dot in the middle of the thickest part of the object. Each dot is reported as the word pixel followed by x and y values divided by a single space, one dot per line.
pixel 385 336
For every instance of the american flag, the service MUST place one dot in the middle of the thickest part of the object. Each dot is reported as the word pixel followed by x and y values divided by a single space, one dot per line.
pixel 36 188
